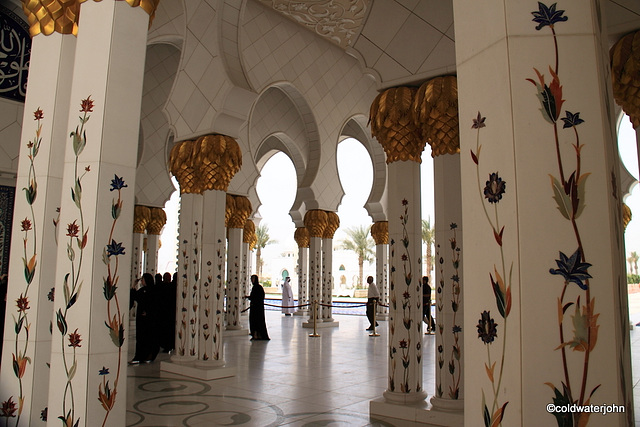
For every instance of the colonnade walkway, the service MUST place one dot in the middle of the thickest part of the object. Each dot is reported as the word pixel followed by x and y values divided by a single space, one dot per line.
pixel 292 380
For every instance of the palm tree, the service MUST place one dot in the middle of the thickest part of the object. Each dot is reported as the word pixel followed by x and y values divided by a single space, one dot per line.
pixel 428 237
pixel 262 234
pixel 360 243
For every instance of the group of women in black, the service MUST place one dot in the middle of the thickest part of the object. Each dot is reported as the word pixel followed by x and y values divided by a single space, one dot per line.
pixel 155 316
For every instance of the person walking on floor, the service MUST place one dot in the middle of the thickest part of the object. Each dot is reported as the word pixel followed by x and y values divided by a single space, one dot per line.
pixel 373 298
pixel 257 324
pixel 287 297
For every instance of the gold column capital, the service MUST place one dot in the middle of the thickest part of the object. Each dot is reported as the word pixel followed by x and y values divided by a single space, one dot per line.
pixel 216 158
pixel 380 232
pixel 157 220
pixel 435 114
pixel 625 75
pixel 52 16
pixel 333 223
pixel 249 231
pixel 626 215
pixel 181 166
pixel 254 242
pixel 141 217
pixel 393 126
pixel 315 221
pixel 301 236
pixel 240 212
pixel 148 6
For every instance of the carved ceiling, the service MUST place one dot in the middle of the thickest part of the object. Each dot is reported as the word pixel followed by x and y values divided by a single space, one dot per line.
pixel 339 21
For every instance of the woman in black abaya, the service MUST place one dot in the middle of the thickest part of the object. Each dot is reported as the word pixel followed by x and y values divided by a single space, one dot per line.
pixel 257 324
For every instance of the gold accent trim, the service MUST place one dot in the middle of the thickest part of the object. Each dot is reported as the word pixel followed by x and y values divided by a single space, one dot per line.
pixel 626 215
pixel 625 75
pixel 333 223
pixel 301 236
pixel 315 221
pixel 435 114
pixel 141 217
pixel 380 232
pixel 49 16
pixel 157 221
pixel 393 126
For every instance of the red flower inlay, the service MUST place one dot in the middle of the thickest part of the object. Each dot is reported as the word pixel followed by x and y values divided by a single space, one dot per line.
pixel 38 114
pixel 73 229
pixel 74 339
pixel 26 224
pixel 22 303
pixel 87 105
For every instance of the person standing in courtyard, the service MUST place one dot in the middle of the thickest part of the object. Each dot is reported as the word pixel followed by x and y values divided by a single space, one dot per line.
pixel 287 297
pixel 373 298
pixel 257 324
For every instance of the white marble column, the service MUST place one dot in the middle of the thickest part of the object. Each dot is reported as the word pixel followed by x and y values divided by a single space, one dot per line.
pixel 240 207
pixel 141 217
pixel 154 229
pixel 197 167
pixel 247 237
pixel 449 285
pixel 380 234
pixel 211 315
pixel 88 361
pixel 333 222
pixel 541 197
pixel 404 393
pixel 32 265
pixel 301 237
pixel 187 289
pixel 315 222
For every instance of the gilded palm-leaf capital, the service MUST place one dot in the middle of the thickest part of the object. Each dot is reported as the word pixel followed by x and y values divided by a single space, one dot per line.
pixel 315 221
pixel 141 218
pixel 380 232
pixel 216 158
pixel 240 212
pixel 626 215
pixel 301 236
pixel 249 231
pixel 333 223
pixel 157 220
pixel 625 75
pixel 52 16
pixel 393 126
pixel 181 166
pixel 435 114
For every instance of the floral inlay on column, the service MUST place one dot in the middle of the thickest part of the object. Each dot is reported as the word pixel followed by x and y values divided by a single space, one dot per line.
pixel 454 365
pixel 78 235
pixel 575 312
pixel 29 260
pixel 115 317
pixel 492 193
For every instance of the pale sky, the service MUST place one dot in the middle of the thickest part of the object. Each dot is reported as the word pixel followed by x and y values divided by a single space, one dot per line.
pixel 277 187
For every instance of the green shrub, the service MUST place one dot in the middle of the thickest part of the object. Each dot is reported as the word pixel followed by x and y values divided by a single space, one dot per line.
pixel 633 279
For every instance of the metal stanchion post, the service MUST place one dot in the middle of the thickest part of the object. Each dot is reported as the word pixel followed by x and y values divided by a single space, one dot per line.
pixel 315 319
pixel 375 309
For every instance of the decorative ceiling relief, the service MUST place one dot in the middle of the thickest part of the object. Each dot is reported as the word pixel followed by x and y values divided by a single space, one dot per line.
pixel 339 21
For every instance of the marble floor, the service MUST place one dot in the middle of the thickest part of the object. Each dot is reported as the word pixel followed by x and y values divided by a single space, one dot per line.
pixel 292 380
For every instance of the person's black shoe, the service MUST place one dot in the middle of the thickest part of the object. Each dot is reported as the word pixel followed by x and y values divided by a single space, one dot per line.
pixel 370 328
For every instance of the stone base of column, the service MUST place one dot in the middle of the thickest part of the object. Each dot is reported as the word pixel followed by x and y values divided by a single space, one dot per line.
pixel 421 413
pixel 200 369
pixel 301 312
pixel 321 324
pixel 448 405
